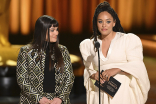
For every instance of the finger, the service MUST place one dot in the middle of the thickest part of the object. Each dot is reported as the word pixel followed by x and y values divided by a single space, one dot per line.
pixel 106 77
pixel 101 76
pixel 48 101
pixel 109 77
pixel 101 72
pixel 104 74
pixel 102 81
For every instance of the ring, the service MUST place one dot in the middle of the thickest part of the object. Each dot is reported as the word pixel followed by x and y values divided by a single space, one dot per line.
pixel 106 76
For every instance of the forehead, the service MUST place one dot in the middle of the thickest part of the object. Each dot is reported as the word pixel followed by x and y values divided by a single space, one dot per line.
pixel 105 15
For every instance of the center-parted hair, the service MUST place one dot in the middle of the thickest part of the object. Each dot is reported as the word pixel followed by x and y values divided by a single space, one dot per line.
pixel 105 6
pixel 39 42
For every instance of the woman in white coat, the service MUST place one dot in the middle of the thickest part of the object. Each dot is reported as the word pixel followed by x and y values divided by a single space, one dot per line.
pixel 121 56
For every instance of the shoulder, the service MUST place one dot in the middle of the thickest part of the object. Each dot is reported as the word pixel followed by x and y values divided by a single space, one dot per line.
pixel 26 47
pixel 86 43
pixel 132 38
pixel 86 47
pixel 62 48
pixel 129 37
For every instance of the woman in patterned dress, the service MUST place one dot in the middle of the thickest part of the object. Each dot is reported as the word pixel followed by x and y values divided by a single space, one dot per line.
pixel 44 70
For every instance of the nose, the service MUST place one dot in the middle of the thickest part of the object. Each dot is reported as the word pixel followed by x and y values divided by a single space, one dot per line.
pixel 103 24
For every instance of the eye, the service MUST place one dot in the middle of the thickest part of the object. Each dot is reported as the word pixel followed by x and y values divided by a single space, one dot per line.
pixel 108 21
pixel 51 30
pixel 100 21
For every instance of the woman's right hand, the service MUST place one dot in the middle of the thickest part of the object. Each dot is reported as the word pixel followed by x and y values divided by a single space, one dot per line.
pixel 96 77
pixel 56 101
pixel 44 100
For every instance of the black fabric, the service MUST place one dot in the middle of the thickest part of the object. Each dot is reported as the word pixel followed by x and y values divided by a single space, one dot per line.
pixel 49 76
pixel 110 87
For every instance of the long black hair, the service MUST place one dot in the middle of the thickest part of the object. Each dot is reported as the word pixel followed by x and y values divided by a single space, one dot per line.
pixel 105 6
pixel 39 42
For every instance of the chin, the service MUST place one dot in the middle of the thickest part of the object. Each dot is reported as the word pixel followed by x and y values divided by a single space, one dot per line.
pixel 104 34
pixel 53 41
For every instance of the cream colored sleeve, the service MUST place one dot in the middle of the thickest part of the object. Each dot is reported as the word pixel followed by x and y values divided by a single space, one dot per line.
pixel 135 66
pixel 85 48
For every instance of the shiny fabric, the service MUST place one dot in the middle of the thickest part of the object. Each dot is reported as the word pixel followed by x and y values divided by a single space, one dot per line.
pixel 30 75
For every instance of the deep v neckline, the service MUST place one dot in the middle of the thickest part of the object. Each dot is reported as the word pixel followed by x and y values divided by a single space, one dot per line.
pixel 109 49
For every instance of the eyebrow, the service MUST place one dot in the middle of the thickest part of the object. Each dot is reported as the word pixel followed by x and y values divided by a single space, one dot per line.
pixel 106 19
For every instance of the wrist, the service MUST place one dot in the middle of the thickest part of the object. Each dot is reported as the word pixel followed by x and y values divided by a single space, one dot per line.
pixel 119 70
pixel 92 76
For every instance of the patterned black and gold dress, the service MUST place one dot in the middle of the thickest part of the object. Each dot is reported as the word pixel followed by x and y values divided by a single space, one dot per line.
pixel 30 76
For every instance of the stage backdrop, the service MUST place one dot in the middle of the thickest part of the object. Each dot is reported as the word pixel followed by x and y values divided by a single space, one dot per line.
pixel 75 16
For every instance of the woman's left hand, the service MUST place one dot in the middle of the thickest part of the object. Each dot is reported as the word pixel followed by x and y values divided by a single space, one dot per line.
pixel 56 101
pixel 110 72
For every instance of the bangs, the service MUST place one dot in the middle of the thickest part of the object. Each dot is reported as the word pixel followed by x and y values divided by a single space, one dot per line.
pixel 54 23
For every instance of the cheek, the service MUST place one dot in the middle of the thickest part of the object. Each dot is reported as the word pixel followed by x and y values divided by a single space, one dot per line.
pixel 51 34
pixel 111 25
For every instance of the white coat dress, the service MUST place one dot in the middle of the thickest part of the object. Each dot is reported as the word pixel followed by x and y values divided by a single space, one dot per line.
pixel 125 52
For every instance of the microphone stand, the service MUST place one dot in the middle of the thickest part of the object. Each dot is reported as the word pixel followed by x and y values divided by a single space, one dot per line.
pixel 97 45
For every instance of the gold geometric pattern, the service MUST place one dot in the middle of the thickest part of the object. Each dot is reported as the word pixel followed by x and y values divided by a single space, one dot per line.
pixel 30 75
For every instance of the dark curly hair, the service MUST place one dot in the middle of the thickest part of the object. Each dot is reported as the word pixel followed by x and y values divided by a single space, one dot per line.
pixel 105 6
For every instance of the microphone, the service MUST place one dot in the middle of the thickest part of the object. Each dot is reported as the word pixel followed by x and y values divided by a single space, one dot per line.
pixel 97 44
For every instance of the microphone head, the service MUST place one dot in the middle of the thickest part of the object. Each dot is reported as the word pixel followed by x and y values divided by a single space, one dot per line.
pixel 97 44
